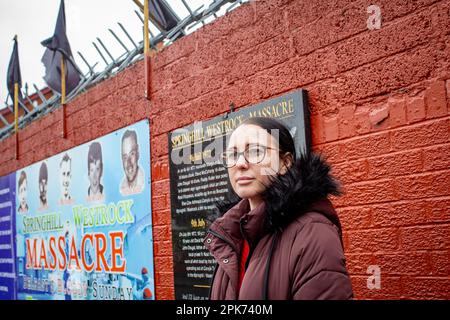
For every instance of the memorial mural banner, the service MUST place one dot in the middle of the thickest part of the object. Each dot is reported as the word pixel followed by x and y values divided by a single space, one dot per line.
pixel 7 237
pixel 198 180
pixel 84 223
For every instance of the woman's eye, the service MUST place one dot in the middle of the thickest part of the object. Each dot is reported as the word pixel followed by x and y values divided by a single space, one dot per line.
pixel 255 151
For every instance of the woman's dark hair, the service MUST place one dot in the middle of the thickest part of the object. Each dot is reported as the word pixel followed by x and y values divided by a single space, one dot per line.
pixel 285 140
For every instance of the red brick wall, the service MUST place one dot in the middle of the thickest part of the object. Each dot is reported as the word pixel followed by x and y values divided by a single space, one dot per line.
pixel 380 105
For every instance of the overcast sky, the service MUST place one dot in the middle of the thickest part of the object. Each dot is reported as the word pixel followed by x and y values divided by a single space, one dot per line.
pixel 34 21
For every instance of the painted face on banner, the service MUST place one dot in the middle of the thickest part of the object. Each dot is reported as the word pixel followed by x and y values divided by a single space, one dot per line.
pixel 23 193
pixel 66 176
pixel 95 172
pixel 130 157
pixel 43 191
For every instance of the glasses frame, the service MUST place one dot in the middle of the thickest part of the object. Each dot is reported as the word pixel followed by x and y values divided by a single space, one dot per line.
pixel 242 153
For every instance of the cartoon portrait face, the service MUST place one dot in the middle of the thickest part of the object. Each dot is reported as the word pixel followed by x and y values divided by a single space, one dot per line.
pixel 43 180
pixel 95 173
pixel 65 176
pixel 22 192
pixel 130 155
pixel 43 191
pixel 95 168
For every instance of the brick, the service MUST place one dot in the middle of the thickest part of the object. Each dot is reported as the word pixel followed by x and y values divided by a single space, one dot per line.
pixel 163 263
pixel 159 202
pixel 436 157
pixel 161 187
pixel 397 113
pixel 421 135
pixel 436 100
pixel 433 237
pixel 426 185
pixel 362 147
pixel 246 15
pixel 184 47
pixel 164 171
pixel 163 248
pixel 317 129
pixel 403 213
pixel 263 56
pixel 255 34
pixel 390 287
pixel 357 264
pixel 392 38
pixel 379 118
pixel 302 13
pixel 404 163
pixel 438 209
pixel 373 240
pixel 447 87
pixel 440 263
pixel 346 121
pixel 161 233
pixel 159 146
pixel 404 263
pixel 336 25
pixel 331 126
pixel 162 217
pixel 426 287
pixel 362 123
pixel 164 279
pixel 165 293
pixel 331 151
pixel 264 8
pixel 382 76
pixel 349 172
pixel 355 218
pixel 415 110
pixel 160 170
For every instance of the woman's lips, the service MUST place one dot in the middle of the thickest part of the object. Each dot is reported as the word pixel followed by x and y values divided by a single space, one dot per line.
pixel 244 180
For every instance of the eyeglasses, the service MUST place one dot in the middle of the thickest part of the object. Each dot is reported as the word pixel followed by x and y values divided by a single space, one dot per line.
pixel 253 155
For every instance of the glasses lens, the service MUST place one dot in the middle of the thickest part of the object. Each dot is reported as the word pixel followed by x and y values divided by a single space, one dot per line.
pixel 228 159
pixel 256 154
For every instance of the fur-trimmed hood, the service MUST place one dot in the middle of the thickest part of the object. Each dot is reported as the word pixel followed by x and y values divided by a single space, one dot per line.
pixel 304 187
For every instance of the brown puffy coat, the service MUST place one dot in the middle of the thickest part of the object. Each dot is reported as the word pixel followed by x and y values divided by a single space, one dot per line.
pixel 295 241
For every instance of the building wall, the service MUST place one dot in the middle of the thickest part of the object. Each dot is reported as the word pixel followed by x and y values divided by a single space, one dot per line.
pixel 380 106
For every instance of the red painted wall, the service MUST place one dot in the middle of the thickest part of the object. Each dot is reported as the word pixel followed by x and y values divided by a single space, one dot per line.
pixel 380 105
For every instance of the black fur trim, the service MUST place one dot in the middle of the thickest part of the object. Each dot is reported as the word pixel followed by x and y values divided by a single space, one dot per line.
pixel 290 195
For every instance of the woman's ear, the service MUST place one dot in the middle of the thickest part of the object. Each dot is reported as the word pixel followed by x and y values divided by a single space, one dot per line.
pixel 286 162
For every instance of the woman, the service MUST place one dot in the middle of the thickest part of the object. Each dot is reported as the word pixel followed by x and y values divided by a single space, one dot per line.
pixel 282 240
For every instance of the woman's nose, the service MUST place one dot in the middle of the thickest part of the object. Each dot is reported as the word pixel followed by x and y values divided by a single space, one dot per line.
pixel 241 161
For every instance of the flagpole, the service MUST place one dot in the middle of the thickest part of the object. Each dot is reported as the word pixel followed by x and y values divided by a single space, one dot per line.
pixel 146 33
pixel 16 116
pixel 16 112
pixel 63 96
pixel 147 61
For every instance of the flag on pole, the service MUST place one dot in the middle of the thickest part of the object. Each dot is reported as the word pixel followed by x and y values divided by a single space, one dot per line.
pixel 58 49
pixel 13 75
pixel 163 14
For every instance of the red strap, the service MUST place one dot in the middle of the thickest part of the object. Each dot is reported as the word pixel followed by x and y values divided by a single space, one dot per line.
pixel 244 255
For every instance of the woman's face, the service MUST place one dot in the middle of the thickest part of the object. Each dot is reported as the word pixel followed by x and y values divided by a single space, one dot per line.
pixel 23 193
pixel 249 179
